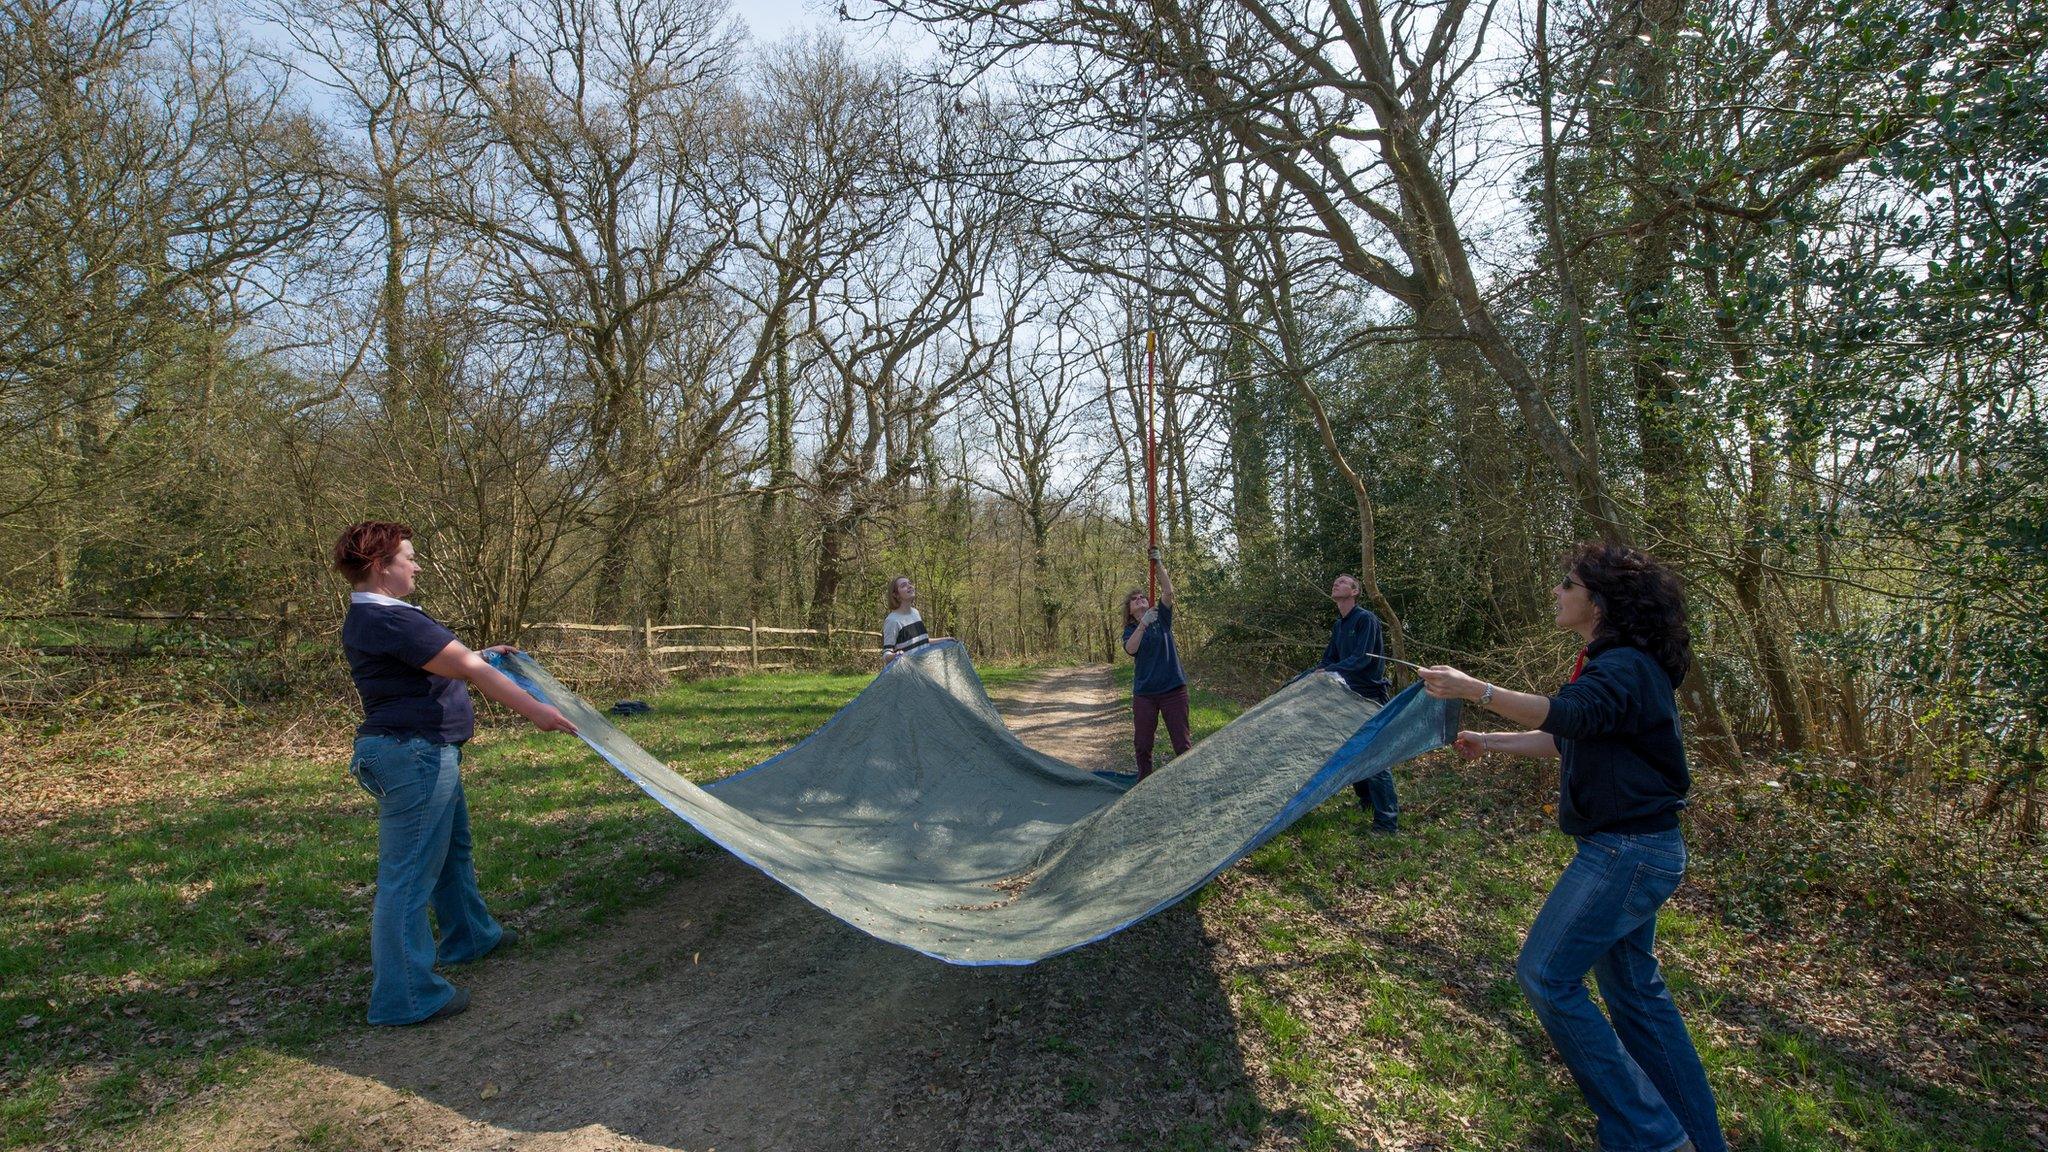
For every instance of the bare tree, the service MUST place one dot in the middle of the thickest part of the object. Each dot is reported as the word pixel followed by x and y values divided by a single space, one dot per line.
pixel 899 327
pixel 382 85
pixel 1037 403
pixel 819 124
pixel 1354 105
pixel 159 170
pixel 595 169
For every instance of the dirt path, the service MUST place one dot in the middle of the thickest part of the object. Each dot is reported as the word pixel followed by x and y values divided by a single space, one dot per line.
pixel 729 1014
pixel 1076 714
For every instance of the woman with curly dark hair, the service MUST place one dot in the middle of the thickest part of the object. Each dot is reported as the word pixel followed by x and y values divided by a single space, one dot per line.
pixel 1622 783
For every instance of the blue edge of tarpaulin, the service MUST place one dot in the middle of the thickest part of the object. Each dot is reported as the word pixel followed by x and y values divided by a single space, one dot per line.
pixel 1331 778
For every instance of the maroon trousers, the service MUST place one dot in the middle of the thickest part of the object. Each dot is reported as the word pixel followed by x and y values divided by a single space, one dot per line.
pixel 1145 714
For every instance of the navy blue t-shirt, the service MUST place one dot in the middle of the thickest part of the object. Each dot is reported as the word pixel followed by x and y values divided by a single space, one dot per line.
pixel 386 647
pixel 1355 652
pixel 1157 659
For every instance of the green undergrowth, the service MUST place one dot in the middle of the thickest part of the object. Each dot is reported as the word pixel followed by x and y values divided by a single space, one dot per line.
pixel 157 942
pixel 1374 989
pixel 158 938
pixel 1375 978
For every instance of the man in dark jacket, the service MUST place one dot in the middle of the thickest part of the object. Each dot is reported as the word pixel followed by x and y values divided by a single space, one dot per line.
pixel 1355 652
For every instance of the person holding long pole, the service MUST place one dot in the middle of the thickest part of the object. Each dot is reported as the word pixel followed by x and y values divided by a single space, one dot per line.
pixel 1159 689
pixel 1622 784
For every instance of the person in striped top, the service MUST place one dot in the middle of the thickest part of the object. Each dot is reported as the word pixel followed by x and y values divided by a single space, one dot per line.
pixel 903 628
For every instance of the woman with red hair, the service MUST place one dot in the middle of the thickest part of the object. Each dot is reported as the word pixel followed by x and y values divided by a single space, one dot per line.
pixel 413 677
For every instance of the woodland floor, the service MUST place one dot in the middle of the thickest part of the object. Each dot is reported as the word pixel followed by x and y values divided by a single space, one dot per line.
pixel 1334 991
pixel 729 1013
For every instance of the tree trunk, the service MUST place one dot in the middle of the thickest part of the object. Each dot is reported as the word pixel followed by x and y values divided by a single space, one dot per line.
pixel 1368 566
pixel 1041 569
pixel 1774 665
pixel 781 471
pixel 836 547
pixel 1251 483
pixel 391 303
pixel 1672 468
pixel 615 558
pixel 832 552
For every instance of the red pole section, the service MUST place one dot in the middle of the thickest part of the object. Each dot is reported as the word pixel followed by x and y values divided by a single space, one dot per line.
pixel 1151 468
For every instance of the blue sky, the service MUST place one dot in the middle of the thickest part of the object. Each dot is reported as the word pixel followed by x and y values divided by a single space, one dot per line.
pixel 771 20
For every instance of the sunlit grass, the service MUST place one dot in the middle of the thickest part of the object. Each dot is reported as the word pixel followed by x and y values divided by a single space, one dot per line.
pixel 152 941
pixel 1411 942
pixel 149 947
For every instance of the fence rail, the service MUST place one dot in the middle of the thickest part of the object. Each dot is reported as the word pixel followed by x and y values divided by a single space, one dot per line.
pixel 644 637
pixel 154 617
pixel 751 641
pixel 145 639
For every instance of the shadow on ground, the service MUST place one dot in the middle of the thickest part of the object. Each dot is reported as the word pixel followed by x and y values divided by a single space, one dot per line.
pixel 730 1014
pixel 750 1020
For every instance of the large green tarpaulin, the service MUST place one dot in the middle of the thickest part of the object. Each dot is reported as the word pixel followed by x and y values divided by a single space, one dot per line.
pixel 917 817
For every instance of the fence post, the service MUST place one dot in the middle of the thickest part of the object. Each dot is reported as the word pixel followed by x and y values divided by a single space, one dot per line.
pixel 754 643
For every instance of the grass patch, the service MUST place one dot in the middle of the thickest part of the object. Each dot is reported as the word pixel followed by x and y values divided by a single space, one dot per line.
pixel 149 945
pixel 1373 981
pixel 153 944
pixel 1379 973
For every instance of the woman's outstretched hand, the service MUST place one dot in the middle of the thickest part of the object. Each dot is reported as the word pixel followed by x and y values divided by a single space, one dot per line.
pixel 549 718
pixel 1447 683
pixel 1469 745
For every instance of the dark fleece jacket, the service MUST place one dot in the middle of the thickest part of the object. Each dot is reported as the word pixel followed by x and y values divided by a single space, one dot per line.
pixel 1616 725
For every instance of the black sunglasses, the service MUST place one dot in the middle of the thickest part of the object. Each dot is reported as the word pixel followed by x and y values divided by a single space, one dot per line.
pixel 1568 583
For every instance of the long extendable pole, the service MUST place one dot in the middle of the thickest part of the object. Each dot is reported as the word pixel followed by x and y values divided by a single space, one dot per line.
pixel 1151 348
pixel 1151 464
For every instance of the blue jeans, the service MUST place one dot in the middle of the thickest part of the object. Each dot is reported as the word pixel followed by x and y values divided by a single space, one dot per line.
pixel 1641 1074
pixel 423 856
pixel 1376 795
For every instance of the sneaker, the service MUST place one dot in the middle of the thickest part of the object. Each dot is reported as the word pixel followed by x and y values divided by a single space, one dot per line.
pixel 456 1006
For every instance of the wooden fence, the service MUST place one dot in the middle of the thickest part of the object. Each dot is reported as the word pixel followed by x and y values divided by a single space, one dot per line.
pixel 646 637
pixel 726 644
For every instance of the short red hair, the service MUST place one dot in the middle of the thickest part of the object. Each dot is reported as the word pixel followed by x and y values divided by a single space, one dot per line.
pixel 364 546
